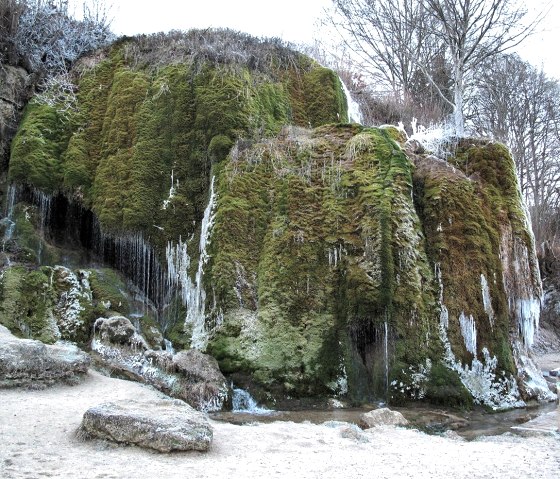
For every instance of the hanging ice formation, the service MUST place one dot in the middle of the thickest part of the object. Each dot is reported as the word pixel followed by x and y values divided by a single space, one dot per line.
pixel 192 292
pixel 481 377
pixel 133 256
pixel 354 111
pixel 8 220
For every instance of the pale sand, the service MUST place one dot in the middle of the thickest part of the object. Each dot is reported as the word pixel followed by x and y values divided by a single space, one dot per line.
pixel 37 440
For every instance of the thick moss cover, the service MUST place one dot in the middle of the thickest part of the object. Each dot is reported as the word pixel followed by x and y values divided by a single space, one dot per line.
pixel 334 264
pixel 329 287
pixel 140 130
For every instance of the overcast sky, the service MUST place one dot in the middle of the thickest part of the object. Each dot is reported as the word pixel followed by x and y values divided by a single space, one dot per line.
pixel 291 20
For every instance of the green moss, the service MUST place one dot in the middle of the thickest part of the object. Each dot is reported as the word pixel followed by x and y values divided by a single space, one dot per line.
pixel 444 388
pixel 219 148
pixel 465 213
pixel 323 262
pixel 26 304
pixel 37 147
pixel 108 289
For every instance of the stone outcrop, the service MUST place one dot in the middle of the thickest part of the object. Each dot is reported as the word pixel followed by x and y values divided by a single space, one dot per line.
pixel 188 375
pixel 166 425
pixel 201 383
pixel 119 331
pixel 14 86
pixel 382 417
pixel 26 362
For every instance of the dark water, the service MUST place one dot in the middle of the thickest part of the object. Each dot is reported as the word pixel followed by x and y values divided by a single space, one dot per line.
pixel 470 425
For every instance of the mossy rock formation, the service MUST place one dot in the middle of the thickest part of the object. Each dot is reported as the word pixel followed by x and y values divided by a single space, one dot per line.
pixel 311 257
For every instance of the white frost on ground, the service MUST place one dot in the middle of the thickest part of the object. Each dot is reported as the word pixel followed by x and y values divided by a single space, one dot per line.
pixel 37 434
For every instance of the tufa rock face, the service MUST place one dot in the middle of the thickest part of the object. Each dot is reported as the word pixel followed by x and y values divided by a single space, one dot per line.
pixel 166 425
pixel 14 91
pixel 310 262
pixel 26 362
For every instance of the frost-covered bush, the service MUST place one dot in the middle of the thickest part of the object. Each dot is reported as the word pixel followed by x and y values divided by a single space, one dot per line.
pixel 48 39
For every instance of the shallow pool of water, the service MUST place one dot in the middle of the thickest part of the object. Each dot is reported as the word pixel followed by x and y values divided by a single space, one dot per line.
pixel 433 420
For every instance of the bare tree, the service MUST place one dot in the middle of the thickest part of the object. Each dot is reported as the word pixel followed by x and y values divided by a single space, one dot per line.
pixel 473 31
pixel 520 106
pixel 10 13
pixel 389 38
pixel 400 37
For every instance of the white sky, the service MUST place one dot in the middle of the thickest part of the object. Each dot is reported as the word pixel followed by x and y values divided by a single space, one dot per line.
pixel 291 20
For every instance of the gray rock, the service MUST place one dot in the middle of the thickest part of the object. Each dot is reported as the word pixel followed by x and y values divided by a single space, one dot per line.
pixel 201 384
pixel 27 362
pixel 116 330
pixel 190 375
pixel 14 91
pixel 382 417
pixel 348 430
pixel 164 425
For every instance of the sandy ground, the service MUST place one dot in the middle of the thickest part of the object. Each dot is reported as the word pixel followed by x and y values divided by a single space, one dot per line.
pixel 37 440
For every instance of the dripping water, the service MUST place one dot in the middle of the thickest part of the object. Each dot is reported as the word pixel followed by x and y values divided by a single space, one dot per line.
pixel 354 110
pixel 386 353
pixel 43 202
pixel 9 216
pixel 242 401
pixel 192 292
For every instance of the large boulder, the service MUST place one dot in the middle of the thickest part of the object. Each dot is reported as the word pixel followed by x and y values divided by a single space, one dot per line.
pixel 201 384
pixel 382 417
pixel 27 362
pixel 165 425
pixel 116 330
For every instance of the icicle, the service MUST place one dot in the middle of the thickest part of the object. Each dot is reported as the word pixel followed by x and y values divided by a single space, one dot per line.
pixel 195 314
pixel 528 314
pixel 354 111
pixel 192 292
pixel 9 215
pixel 468 330
pixel 487 300
pixel 386 358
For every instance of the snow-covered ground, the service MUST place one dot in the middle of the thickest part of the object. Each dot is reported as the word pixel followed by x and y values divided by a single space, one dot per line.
pixel 37 439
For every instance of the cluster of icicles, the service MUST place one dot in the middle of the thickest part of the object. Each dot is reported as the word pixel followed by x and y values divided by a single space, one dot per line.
pixel 133 255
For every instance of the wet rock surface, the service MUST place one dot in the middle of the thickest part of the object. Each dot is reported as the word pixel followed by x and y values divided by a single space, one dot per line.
pixel 26 362
pixel 165 425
